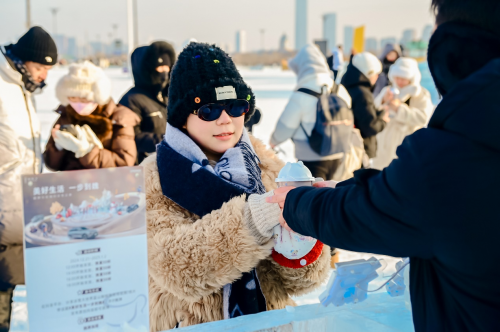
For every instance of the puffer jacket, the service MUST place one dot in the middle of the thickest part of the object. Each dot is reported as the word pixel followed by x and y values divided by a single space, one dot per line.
pixel 191 259
pixel 367 118
pixel 148 99
pixel 19 154
pixel 312 73
pixel 113 125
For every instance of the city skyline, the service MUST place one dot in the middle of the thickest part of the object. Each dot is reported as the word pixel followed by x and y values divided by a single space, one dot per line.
pixel 167 20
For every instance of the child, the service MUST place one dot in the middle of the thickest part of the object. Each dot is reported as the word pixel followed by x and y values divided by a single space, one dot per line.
pixel 410 109
pixel 209 227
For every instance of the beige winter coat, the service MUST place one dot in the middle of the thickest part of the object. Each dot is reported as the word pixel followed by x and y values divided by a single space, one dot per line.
pixel 191 259
pixel 407 120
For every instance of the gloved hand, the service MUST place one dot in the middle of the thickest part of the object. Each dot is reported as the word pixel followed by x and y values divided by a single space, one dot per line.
pixel 79 144
pixel 91 137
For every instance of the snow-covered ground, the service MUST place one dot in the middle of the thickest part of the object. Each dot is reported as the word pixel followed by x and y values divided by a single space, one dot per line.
pixel 272 88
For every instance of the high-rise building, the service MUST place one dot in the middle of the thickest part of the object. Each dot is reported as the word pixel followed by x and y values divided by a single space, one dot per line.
pixel 330 30
pixel 321 44
pixel 72 48
pixel 388 40
pixel 241 41
pixel 427 33
pixel 409 35
pixel 300 24
pixel 61 43
pixel 284 43
pixel 348 39
pixel 371 45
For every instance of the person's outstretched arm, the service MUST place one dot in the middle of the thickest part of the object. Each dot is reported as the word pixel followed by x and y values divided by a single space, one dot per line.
pixel 377 212
pixel 289 121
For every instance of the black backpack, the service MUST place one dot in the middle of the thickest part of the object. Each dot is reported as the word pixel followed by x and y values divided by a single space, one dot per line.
pixel 332 131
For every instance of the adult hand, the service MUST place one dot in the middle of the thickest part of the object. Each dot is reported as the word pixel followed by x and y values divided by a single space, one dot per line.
pixel 92 137
pixel 79 145
pixel 280 198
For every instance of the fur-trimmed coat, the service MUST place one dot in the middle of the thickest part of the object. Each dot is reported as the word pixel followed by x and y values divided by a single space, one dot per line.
pixel 191 259
pixel 113 125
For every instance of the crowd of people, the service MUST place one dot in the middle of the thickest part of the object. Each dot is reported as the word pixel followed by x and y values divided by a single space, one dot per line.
pixel 410 188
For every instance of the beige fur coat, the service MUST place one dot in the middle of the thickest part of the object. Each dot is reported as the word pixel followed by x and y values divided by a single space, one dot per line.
pixel 191 259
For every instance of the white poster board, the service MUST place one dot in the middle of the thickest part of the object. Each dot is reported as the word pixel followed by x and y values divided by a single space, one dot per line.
pixel 86 250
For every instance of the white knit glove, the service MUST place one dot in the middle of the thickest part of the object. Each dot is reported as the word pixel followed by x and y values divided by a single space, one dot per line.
pixel 79 144
pixel 91 137
pixel 261 217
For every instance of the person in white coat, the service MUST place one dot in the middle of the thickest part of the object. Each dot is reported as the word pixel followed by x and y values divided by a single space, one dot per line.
pixel 409 106
pixel 23 69
pixel 313 73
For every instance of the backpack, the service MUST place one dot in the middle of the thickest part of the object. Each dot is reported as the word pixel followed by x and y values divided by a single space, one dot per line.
pixel 332 131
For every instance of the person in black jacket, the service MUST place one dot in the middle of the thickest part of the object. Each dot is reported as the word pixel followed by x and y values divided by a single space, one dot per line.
pixel 359 79
pixel 438 202
pixel 151 67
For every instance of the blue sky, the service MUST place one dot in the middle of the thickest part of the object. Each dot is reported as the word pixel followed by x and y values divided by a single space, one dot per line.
pixel 213 20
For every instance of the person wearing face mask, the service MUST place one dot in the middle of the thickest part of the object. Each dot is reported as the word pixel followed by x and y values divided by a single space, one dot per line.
pixel 92 131
pixel 151 67
pixel 23 69
pixel 209 228
pixel 409 106
pixel 388 57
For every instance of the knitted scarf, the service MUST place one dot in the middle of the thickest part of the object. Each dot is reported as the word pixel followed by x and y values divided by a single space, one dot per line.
pixel 30 84
pixel 184 169
pixel 239 166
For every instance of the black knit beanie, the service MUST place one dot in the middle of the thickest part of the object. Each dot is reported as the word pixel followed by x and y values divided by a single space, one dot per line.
pixel 159 53
pixel 199 70
pixel 36 45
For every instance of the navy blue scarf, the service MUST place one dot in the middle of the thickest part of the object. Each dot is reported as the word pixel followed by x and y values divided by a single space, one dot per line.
pixel 180 177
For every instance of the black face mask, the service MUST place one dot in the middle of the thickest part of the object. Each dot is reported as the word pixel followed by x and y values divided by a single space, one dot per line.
pixel 165 79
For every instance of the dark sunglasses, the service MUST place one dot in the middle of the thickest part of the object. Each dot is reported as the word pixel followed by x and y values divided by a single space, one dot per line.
pixel 233 107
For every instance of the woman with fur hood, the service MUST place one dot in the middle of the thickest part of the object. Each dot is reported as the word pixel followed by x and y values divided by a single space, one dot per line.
pixel 409 109
pixel 92 131
pixel 209 227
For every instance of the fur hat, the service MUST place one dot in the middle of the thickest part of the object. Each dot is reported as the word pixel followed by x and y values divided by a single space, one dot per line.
pixel 406 68
pixel 84 80
pixel 200 71
pixel 367 64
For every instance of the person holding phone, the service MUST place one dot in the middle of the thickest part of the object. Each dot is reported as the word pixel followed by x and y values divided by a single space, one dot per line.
pixel 92 131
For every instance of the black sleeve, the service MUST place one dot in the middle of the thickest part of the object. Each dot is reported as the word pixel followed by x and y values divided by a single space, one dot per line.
pixel 145 141
pixel 348 217
pixel 367 118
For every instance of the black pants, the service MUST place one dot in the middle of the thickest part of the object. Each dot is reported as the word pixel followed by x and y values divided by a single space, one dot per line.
pixel 324 168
